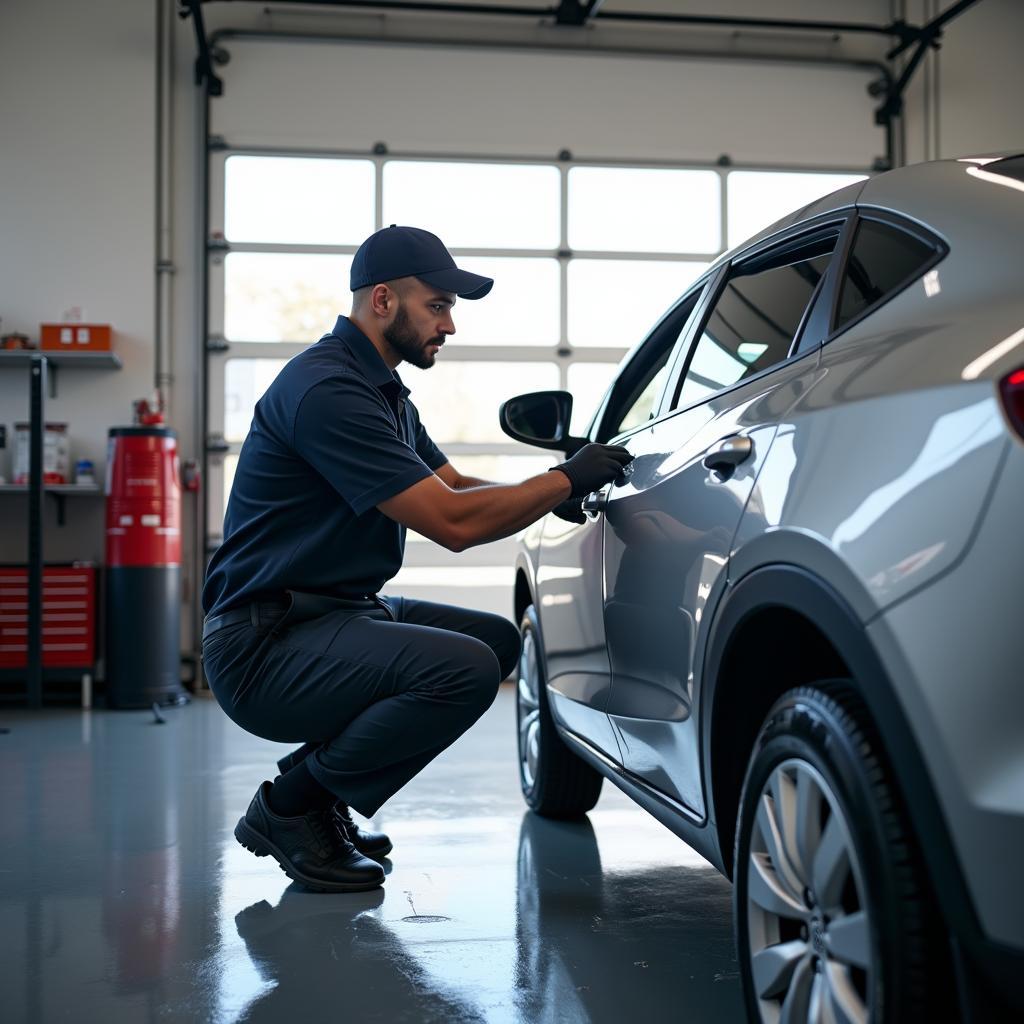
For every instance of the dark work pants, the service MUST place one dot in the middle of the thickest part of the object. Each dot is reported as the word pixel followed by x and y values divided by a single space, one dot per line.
pixel 383 696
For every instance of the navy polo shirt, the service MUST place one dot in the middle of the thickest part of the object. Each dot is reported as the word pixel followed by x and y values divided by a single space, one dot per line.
pixel 333 436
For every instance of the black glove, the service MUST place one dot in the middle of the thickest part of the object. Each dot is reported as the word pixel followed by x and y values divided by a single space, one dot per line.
pixel 593 466
pixel 570 511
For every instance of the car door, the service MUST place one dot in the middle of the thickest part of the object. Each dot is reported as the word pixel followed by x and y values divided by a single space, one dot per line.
pixel 570 565
pixel 669 525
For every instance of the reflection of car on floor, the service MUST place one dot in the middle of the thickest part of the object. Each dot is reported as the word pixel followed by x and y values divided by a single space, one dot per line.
pixel 598 945
pixel 791 631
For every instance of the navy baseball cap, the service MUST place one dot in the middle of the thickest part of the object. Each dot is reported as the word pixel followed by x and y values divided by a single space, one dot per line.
pixel 397 251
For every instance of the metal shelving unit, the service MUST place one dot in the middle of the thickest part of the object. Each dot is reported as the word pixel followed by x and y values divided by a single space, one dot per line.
pixel 41 367
pixel 56 359
pixel 59 492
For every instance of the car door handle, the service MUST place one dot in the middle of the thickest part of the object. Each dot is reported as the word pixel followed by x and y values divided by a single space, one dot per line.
pixel 728 454
pixel 595 502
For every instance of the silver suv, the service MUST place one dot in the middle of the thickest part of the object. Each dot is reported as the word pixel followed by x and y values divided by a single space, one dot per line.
pixel 790 632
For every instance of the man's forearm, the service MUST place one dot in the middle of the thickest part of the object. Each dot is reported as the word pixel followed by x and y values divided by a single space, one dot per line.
pixel 490 512
pixel 466 483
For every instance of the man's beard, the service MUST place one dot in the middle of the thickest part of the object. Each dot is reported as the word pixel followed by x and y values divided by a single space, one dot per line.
pixel 404 340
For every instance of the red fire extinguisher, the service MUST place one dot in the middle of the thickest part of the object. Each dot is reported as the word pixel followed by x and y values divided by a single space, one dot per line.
pixel 143 557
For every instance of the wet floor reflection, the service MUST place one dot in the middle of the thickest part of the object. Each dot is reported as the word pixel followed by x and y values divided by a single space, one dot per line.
pixel 124 897
pixel 589 945
pixel 599 944
pixel 323 953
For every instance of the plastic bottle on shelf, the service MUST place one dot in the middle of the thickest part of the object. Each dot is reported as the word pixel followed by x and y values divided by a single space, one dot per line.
pixel 85 474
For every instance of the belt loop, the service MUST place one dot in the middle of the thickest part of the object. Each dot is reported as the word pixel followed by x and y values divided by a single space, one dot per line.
pixel 254 614
pixel 384 606
pixel 285 617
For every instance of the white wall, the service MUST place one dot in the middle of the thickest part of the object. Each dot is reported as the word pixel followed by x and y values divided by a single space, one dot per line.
pixel 77 164
pixel 76 215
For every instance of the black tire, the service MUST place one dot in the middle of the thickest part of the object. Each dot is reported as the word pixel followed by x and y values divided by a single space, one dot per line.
pixel 556 783
pixel 817 750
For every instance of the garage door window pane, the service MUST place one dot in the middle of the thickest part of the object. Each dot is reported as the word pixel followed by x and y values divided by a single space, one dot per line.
pixel 644 210
pixel 245 380
pixel 283 296
pixel 587 383
pixel 759 198
pixel 494 206
pixel 616 302
pixel 459 401
pixel 498 469
pixel 294 200
pixel 504 469
pixel 230 465
pixel 521 309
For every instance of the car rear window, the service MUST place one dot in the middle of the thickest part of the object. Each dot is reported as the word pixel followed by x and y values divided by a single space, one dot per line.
pixel 1012 167
pixel 883 259
pixel 752 325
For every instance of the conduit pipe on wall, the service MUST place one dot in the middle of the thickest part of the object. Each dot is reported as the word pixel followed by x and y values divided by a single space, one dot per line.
pixel 200 382
pixel 163 378
pixel 164 268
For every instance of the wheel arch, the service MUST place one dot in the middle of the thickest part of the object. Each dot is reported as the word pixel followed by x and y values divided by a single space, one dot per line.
pixel 812 633
pixel 523 592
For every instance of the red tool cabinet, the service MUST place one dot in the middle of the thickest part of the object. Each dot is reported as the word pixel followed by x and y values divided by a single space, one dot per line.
pixel 69 616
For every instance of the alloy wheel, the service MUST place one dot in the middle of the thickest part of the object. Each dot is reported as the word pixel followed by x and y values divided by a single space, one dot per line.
pixel 808 925
pixel 528 697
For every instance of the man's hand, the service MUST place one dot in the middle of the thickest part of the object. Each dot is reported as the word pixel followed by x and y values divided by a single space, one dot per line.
pixel 593 466
pixel 570 511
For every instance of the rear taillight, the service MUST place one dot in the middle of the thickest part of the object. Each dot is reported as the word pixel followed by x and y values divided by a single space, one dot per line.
pixel 1011 388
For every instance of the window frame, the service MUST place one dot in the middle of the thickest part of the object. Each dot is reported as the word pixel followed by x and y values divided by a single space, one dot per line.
pixel 791 239
pixel 940 249
pixel 638 361
pixel 817 320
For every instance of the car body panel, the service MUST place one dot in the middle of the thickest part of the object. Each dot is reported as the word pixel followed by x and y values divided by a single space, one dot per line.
pixel 965 700
pixel 894 519
pixel 668 533
pixel 567 591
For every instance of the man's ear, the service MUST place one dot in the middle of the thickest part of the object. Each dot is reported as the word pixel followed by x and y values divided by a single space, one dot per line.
pixel 382 300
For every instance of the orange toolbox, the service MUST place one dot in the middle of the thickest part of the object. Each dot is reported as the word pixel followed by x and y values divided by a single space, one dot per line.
pixel 75 337
pixel 69 616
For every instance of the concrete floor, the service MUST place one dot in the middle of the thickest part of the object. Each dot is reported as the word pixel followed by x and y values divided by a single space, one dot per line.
pixel 124 896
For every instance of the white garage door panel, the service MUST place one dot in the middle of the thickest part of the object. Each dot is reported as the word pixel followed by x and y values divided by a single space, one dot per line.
pixel 439 100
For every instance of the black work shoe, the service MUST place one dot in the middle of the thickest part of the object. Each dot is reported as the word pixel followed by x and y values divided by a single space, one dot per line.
pixel 372 844
pixel 309 848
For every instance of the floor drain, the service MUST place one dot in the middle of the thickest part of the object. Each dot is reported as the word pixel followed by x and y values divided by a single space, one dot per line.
pixel 415 918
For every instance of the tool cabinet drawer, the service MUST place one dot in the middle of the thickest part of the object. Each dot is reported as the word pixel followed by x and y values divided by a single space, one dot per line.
pixel 69 616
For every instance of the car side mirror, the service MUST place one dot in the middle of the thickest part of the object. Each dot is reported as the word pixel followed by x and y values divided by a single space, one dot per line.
pixel 541 419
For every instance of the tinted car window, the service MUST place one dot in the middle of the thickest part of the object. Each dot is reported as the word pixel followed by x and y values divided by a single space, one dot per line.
pixel 1012 167
pixel 642 408
pixel 636 392
pixel 882 259
pixel 751 327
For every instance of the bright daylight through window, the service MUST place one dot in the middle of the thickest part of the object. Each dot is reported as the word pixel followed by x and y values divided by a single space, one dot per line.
pixel 574 289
